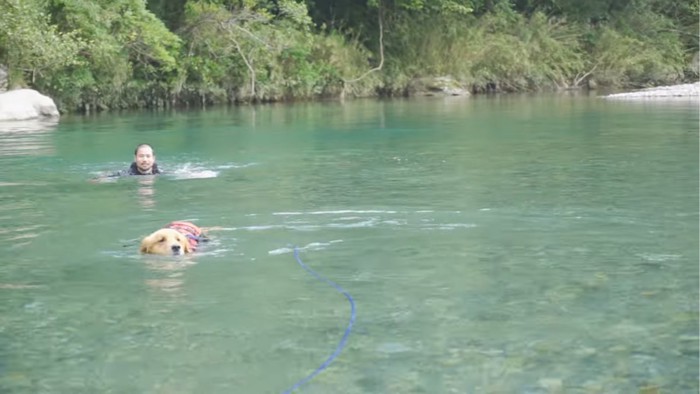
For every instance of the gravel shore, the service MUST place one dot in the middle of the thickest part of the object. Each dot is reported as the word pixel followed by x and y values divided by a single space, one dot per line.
pixel 689 90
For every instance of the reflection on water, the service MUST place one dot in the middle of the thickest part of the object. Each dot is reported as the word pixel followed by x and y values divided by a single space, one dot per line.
pixel 29 125
pixel 27 137
pixel 21 214
pixel 169 273
pixel 146 192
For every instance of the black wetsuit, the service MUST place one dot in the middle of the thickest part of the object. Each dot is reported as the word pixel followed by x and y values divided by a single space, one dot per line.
pixel 134 170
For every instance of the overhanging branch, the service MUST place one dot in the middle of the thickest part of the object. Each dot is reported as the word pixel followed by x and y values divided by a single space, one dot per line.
pixel 381 51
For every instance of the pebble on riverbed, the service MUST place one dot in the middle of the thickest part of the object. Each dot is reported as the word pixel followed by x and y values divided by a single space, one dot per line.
pixel 552 385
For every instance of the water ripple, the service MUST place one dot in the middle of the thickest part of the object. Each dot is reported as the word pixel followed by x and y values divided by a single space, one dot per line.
pixel 26 138
pixel 311 246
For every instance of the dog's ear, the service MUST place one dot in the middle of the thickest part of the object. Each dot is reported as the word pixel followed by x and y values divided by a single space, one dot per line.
pixel 146 244
pixel 187 246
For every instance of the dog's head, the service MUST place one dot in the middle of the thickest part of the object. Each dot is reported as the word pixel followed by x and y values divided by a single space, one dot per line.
pixel 166 242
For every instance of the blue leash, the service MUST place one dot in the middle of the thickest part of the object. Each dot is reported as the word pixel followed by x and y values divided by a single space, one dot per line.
pixel 343 340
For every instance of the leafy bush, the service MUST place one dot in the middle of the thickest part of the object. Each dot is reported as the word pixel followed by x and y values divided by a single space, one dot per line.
pixel 30 46
pixel 117 53
pixel 256 56
pixel 630 61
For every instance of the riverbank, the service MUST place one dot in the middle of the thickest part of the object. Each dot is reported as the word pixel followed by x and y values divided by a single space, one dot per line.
pixel 688 90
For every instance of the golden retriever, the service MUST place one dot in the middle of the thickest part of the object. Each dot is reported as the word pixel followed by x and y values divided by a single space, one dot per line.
pixel 175 239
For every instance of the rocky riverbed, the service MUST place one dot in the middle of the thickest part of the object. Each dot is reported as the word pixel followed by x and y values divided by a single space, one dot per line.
pixel 689 90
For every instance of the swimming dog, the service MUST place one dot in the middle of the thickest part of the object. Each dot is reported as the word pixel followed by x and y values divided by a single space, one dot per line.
pixel 176 239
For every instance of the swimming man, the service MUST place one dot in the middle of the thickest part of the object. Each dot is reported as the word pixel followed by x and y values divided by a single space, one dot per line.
pixel 144 162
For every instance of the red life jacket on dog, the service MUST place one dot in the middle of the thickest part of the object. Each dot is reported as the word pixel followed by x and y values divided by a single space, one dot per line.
pixel 189 230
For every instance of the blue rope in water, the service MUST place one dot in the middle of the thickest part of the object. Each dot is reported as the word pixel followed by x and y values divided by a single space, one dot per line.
pixel 348 329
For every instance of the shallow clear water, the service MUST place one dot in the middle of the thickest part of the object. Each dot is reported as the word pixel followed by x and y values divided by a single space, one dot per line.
pixel 524 244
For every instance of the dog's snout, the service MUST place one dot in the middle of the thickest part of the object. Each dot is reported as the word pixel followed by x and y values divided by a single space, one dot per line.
pixel 175 248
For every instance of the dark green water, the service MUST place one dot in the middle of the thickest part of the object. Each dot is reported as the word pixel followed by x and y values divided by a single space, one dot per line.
pixel 492 245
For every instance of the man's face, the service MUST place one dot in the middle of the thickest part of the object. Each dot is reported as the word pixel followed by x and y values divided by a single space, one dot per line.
pixel 144 159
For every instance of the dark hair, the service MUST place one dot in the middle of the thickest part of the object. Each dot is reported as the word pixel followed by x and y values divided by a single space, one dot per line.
pixel 139 146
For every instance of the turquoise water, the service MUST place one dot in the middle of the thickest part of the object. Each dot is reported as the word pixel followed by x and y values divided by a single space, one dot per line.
pixel 521 244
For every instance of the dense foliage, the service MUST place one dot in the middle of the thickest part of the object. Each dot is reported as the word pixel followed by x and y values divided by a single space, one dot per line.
pixel 133 53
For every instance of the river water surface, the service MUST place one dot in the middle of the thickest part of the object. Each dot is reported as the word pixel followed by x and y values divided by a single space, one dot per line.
pixel 515 244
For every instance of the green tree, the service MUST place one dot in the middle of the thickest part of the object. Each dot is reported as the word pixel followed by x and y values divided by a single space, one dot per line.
pixel 260 53
pixel 171 12
pixel 30 46
pixel 131 57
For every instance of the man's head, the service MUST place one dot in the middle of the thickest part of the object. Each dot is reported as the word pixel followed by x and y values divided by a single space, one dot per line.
pixel 144 157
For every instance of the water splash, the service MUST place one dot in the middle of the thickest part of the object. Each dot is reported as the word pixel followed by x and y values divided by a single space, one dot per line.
pixel 201 171
pixel 192 171
pixel 188 170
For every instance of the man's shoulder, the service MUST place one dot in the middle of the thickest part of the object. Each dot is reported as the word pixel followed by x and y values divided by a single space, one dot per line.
pixel 125 172
pixel 119 173
pixel 133 170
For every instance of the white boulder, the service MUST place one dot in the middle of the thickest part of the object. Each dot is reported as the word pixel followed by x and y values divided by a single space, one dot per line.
pixel 688 90
pixel 22 104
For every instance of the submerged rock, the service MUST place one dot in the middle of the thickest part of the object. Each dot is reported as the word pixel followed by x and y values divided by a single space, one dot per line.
pixel 551 385
pixel 650 389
